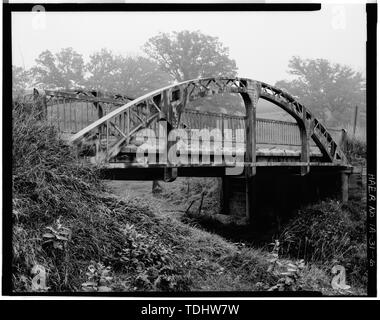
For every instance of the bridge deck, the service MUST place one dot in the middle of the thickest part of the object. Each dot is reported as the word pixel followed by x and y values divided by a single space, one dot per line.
pixel 268 155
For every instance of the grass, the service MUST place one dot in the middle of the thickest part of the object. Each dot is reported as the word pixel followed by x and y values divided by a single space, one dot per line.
pixel 65 221
pixel 356 151
pixel 330 233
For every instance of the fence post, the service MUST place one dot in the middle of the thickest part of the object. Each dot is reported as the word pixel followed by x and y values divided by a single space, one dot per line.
pixel 355 120
pixel 99 106
pixel 343 141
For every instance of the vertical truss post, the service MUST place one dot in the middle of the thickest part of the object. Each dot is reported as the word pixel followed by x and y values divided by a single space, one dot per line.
pixel 75 119
pixel 305 145
pixel 41 104
pixel 70 117
pixel 128 116
pixel 64 116
pixel 170 174
pixel 251 99
pixel 107 138
pixel 99 109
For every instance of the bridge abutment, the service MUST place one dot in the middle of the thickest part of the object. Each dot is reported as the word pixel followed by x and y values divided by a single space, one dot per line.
pixel 273 195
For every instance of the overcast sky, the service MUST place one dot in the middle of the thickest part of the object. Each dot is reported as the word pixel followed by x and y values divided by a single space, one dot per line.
pixel 261 42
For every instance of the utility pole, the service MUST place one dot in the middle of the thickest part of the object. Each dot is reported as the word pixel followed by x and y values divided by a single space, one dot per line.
pixel 355 118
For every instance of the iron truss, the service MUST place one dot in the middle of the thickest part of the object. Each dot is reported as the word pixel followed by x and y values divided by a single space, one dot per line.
pixel 114 130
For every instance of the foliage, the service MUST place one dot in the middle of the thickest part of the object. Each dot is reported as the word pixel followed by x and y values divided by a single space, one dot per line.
pixel 356 151
pixel 132 76
pixel 329 232
pixel 193 55
pixel 188 55
pixel 97 278
pixel 20 81
pixel 63 70
pixel 57 236
pixel 288 272
pixel 105 71
pixel 331 91
pixel 63 220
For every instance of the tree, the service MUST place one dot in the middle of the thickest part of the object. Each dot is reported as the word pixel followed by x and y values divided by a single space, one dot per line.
pixel 63 70
pixel 139 75
pixel 102 67
pixel 20 81
pixel 189 55
pixel 132 76
pixel 331 91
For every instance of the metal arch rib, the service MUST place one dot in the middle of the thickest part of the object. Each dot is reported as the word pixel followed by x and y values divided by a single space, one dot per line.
pixel 318 130
pixel 76 137
pixel 283 99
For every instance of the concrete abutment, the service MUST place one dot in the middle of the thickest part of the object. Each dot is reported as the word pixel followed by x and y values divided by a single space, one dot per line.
pixel 273 194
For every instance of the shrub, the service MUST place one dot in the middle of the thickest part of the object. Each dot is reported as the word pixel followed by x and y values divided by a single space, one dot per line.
pixel 356 151
pixel 328 233
pixel 65 221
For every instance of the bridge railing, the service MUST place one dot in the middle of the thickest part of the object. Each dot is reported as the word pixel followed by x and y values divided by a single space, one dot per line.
pixel 71 115
pixel 267 131
pixel 71 112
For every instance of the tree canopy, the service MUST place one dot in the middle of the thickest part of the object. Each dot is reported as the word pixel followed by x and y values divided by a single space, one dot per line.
pixel 63 70
pixel 188 55
pixel 331 91
pixel 105 71
pixel 132 76
pixel 177 56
